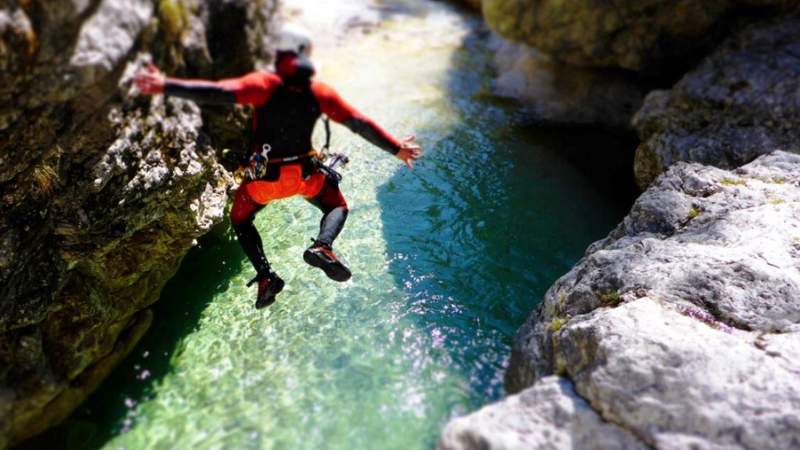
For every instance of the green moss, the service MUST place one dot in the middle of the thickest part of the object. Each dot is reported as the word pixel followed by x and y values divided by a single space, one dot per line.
pixel 557 323
pixel 562 301
pixel 732 181
pixel 610 298
pixel 173 18
pixel 693 213
pixel 776 201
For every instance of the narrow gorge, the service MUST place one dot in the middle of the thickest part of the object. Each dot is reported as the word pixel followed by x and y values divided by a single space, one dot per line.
pixel 664 321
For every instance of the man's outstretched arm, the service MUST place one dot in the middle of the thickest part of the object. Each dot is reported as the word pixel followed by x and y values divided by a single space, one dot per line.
pixel 407 150
pixel 253 88
pixel 200 91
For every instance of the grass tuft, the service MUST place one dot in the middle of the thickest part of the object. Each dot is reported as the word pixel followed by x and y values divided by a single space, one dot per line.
pixel 610 298
pixel 173 18
pixel 45 179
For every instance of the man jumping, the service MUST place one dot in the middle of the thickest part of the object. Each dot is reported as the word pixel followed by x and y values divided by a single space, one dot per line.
pixel 287 104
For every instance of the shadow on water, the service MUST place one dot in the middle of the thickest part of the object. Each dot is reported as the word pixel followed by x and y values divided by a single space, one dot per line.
pixel 500 210
pixel 205 271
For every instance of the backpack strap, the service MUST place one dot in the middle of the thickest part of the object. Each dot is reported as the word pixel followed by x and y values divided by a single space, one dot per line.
pixel 327 121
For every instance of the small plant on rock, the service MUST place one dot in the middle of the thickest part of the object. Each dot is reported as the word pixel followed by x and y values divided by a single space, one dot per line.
pixel 779 180
pixel 173 16
pixel 732 181
pixel 776 201
pixel 610 298
pixel 557 323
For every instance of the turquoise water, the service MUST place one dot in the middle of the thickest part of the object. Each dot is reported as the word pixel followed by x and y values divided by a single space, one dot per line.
pixel 448 259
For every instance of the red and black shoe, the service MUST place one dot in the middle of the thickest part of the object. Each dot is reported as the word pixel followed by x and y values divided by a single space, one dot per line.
pixel 322 256
pixel 269 285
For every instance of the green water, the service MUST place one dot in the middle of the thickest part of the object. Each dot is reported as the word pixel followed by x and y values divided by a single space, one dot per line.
pixel 448 259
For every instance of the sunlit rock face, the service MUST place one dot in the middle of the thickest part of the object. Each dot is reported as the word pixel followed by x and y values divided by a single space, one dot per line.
pixel 681 327
pixel 549 415
pixel 742 100
pixel 102 192
pixel 635 35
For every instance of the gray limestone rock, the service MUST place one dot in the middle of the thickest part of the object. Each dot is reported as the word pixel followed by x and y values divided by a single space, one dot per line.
pixel 107 37
pixel 741 101
pixel 677 381
pixel 549 415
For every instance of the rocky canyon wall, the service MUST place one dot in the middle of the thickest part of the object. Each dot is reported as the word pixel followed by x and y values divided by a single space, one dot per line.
pixel 680 329
pixel 102 192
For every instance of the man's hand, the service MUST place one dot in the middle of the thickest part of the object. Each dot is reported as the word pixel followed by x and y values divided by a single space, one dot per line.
pixel 410 151
pixel 150 81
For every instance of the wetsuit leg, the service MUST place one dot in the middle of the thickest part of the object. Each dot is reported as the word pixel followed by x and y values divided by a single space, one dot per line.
pixel 334 208
pixel 242 215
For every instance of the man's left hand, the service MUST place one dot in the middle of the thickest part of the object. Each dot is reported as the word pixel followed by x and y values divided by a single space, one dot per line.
pixel 410 151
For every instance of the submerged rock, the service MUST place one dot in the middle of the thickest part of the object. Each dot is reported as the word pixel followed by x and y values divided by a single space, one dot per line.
pixel 632 34
pixel 681 327
pixel 102 192
pixel 741 101
pixel 557 94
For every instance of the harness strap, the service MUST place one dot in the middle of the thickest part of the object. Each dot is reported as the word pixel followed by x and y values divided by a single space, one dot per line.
pixel 310 154
pixel 327 122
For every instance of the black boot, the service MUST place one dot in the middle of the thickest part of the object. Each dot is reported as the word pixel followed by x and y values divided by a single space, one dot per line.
pixel 321 255
pixel 269 285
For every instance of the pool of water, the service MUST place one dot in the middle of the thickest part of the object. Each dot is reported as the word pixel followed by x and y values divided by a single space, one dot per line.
pixel 448 260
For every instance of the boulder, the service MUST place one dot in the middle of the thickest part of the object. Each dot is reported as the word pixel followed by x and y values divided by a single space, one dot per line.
pixel 741 101
pixel 102 192
pixel 549 415
pixel 682 326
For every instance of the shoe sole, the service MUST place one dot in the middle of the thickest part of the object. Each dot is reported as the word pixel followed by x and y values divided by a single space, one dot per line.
pixel 335 271
pixel 272 290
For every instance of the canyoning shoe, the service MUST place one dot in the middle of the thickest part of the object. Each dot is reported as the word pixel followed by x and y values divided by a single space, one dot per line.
pixel 268 287
pixel 322 256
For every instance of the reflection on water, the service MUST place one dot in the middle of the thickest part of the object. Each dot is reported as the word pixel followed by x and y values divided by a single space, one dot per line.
pixel 448 259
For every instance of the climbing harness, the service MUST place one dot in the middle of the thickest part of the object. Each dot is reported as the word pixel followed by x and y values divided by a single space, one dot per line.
pixel 255 167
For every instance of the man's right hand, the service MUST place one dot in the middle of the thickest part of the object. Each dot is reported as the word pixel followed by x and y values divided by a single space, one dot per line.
pixel 150 80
